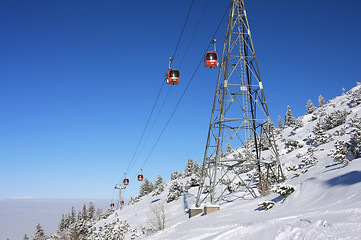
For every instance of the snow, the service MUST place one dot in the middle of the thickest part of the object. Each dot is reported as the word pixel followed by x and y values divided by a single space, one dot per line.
pixel 324 205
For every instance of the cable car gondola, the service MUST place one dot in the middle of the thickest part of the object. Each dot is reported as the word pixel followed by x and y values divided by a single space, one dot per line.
pixel 211 60
pixel 126 181
pixel 140 177
pixel 173 76
pixel 122 202
pixel 112 205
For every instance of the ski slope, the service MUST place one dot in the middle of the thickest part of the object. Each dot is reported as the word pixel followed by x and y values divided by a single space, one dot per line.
pixel 326 203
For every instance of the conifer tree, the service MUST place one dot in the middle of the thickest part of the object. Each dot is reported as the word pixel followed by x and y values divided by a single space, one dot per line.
pixel 61 225
pixel 321 101
pixel 158 181
pixel 175 191
pixel 91 211
pixel 189 167
pixel 72 215
pixel 98 214
pixel 196 168
pixel 310 107
pixel 84 213
pixel 26 237
pixel 145 188
pixel 158 186
pixel 279 122
pixel 289 119
pixel 175 175
pixel 340 153
pixel 39 233
pixel 354 145
pixel 79 216
pixel 320 135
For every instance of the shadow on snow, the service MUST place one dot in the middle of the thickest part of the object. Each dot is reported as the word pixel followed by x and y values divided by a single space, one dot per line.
pixel 346 179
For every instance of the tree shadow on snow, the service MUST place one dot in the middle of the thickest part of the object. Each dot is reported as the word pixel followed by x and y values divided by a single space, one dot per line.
pixel 346 179
pixel 333 167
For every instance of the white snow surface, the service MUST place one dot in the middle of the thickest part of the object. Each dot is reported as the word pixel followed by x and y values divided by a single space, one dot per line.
pixel 326 203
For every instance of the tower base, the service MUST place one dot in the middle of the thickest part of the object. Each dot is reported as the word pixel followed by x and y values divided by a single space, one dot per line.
pixel 194 211
pixel 210 209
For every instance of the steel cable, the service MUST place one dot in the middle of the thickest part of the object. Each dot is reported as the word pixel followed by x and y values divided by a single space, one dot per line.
pixel 184 91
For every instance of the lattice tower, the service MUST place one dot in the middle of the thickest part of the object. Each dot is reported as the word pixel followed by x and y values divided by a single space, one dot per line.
pixel 240 155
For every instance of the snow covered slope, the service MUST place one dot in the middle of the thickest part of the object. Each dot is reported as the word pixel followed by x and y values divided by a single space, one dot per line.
pixel 321 157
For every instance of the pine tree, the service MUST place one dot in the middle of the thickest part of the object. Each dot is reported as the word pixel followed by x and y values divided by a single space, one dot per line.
pixel 39 233
pixel 158 181
pixel 320 135
pixel 175 175
pixel 158 186
pixel 310 107
pixel 189 167
pixel 196 168
pixel 72 215
pixel 91 211
pixel 279 122
pixel 228 148
pixel 98 214
pixel 84 213
pixel 79 217
pixel 61 225
pixel 26 237
pixel 145 188
pixel 175 191
pixel 334 119
pixel 354 96
pixel 354 145
pixel 67 220
pixel 289 119
pixel 340 153
pixel 321 101
pixel 310 158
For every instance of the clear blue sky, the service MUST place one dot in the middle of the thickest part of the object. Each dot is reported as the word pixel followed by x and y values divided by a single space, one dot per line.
pixel 78 80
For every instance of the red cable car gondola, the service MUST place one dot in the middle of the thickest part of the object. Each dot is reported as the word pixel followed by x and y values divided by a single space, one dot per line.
pixel 112 205
pixel 122 202
pixel 140 177
pixel 211 60
pixel 126 181
pixel 173 76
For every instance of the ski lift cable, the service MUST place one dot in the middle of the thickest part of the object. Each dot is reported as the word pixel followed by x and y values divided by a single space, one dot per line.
pixel 113 196
pixel 151 128
pixel 184 25
pixel 194 33
pixel 146 125
pixel 175 51
pixel 153 124
pixel 184 91
pixel 181 97
pixel 149 132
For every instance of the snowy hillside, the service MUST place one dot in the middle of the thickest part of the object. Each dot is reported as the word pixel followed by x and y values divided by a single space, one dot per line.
pixel 321 158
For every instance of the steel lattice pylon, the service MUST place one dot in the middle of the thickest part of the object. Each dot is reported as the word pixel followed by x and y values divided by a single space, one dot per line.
pixel 240 128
